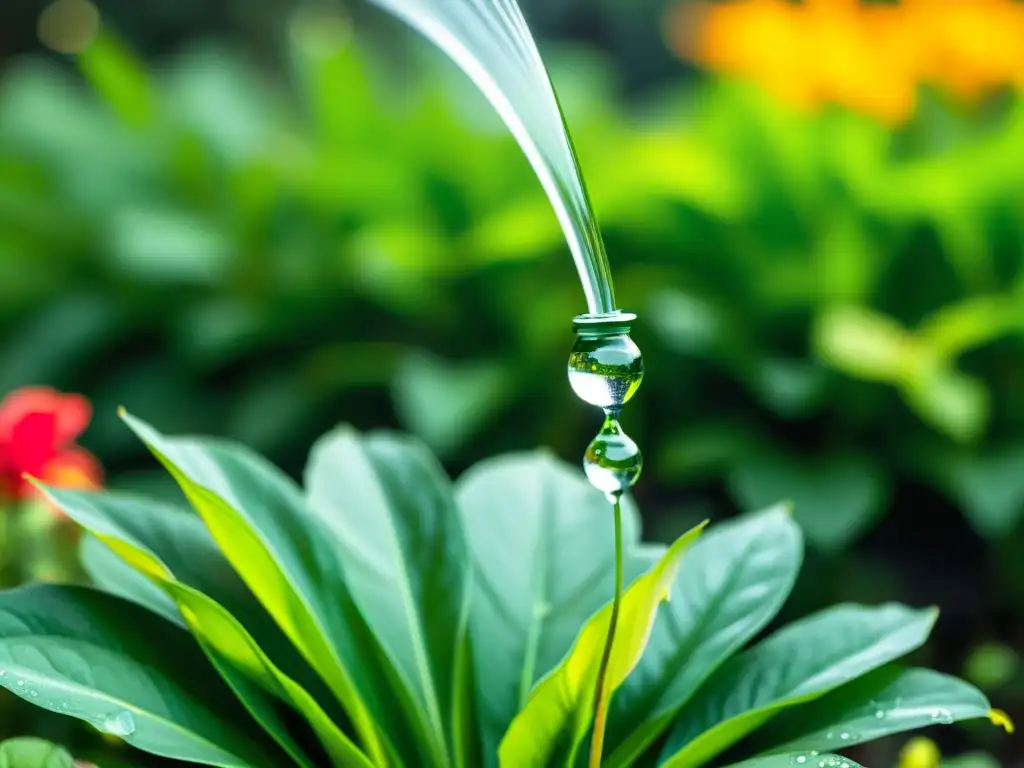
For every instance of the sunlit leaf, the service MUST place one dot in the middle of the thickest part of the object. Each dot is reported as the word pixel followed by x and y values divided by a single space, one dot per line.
pixel 799 663
pixel 731 584
pixel 558 712
pixel 126 671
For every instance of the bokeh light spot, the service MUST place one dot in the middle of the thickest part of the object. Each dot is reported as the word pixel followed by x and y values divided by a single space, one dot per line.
pixel 68 26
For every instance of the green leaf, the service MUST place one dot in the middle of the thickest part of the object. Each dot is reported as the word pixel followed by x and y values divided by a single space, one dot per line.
pixel 989 487
pixel 33 753
pixel 951 401
pixel 863 344
pixel 285 554
pixel 120 79
pixel 799 663
pixel 797 759
pixel 114 576
pixel 835 499
pixel 390 505
pixel 542 545
pixel 443 403
pixel 732 583
pixel 131 529
pixel 126 671
pixel 561 704
pixel 888 701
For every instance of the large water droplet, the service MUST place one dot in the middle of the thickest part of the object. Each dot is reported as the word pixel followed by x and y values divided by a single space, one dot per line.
pixel 119 724
pixel 605 370
pixel 612 461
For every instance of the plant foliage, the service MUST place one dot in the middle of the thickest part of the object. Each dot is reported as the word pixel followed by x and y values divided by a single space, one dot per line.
pixel 384 616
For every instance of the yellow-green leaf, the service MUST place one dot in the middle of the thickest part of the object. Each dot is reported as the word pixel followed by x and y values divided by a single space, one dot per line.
pixel 560 706
pixel 220 633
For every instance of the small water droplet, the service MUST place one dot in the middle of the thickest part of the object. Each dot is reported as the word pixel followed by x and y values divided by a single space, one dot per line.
pixel 830 735
pixel 3 673
pixel 880 714
pixel 844 736
pixel 613 461
pixel 801 759
pixel 943 716
pixel 814 753
pixel 34 694
pixel 21 683
pixel 119 724
pixel 63 705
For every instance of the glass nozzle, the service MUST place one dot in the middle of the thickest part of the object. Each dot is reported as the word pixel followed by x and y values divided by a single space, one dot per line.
pixel 606 366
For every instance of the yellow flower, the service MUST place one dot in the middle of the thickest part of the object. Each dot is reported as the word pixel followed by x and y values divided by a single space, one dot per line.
pixel 920 753
pixel 868 57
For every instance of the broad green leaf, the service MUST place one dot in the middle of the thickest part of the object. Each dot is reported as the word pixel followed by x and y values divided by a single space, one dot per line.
pixel 888 701
pixel 989 487
pixel 560 706
pixel 390 506
pixel 445 403
pixel 126 671
pixel 542 545
pixel 732 583
pixel 835 499
pixel 285 555
pixel 129 528
pixel 799 663
pixel 33 753
pixel 798 759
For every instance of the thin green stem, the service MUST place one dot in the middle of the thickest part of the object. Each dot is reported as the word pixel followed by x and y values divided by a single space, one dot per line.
pixel 603 694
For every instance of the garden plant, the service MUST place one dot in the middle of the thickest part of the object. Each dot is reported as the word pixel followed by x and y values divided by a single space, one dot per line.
pixel 383 616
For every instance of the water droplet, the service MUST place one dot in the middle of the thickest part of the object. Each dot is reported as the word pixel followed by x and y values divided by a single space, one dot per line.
pixel 119 724
pixel 605 370
pixel 34 694
pixel 844 736
pixel 943 716
pixel 801 759
pixel 880 714
pixel 830 735
pixel 3 673
pixel 63 705
pixel 814 753
pixel 612 461
pixel 21 683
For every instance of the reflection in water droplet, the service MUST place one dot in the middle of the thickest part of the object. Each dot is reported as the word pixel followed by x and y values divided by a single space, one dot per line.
pixel 612 461
pixel 119 724
pixel 606 370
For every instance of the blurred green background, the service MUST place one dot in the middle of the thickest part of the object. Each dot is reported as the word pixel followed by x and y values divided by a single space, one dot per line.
pixel 257 222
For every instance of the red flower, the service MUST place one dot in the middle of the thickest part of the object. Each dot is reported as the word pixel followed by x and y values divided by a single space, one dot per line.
pixel 38 429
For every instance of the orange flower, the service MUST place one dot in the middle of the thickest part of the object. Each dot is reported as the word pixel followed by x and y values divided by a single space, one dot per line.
pixel 38 429
pixel 869 57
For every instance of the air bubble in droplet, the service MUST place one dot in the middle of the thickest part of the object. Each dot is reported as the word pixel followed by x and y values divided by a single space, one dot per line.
pixel 605 370
pixel 612 461
pixel 119 724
